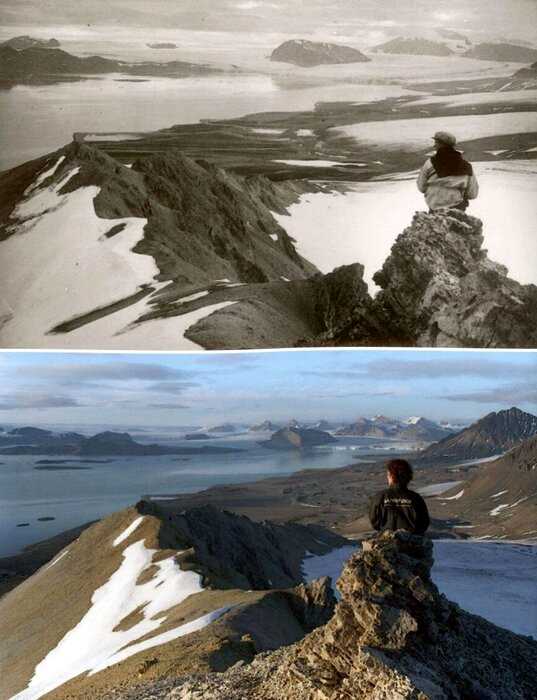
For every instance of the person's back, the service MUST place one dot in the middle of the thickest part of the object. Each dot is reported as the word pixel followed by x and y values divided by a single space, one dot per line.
pixel 446 179
pixel 397 507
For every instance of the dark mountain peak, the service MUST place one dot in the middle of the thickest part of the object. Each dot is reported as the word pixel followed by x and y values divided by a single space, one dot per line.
pixel 493 434
pixel 298 438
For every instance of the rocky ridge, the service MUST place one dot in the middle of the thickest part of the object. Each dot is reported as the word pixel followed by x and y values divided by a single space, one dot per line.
pixel 116 577
pixel 393 635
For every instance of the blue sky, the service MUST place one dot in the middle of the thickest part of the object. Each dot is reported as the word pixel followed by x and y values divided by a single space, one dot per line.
pixel 207 388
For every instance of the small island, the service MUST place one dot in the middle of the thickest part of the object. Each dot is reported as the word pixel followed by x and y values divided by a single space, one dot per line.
pixel 162 45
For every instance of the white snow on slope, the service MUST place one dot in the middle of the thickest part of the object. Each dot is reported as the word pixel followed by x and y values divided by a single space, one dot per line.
pixel 416 133
pixel 437 489
pixel 500 493
pixel 361 225
pixel 58 264
pixel 498 509
pixel 95 643
pixel 55 561
pixel 44 175
pixel 455 497
pixel 319 163
pixel 128 531
pixel 330 564
pixel 491 579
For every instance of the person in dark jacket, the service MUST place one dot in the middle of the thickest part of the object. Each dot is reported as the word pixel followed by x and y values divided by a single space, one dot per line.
pixel 397 507
pixel 447 180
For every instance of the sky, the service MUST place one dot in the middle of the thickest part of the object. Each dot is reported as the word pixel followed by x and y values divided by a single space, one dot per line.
pixel 166 390
pixel 362 20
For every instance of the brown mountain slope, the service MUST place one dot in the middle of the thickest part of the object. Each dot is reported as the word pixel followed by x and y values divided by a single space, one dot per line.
pixel 497 432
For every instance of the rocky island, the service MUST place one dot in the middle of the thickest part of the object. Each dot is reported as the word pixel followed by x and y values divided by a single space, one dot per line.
pixel 307 54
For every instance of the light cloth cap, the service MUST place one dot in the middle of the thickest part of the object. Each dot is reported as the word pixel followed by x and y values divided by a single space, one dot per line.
pixel 445 137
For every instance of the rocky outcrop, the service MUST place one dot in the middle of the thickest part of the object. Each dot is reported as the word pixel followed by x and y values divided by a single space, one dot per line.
pixel 439 289
pixel 314 53
pixel 393 636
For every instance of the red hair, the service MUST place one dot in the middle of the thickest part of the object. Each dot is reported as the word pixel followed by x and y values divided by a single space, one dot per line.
pixel 400 471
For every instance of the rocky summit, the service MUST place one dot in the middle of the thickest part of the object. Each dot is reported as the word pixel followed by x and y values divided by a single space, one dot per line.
pixel 393 636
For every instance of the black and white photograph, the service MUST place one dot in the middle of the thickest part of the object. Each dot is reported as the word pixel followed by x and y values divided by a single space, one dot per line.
pixel 268 350
pixel 234 174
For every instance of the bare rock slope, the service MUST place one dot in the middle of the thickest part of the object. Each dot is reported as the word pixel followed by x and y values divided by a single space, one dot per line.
pixel 393 635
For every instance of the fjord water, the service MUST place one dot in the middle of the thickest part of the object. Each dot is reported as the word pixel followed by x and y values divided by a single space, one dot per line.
pixel 76 496
pixel 38 119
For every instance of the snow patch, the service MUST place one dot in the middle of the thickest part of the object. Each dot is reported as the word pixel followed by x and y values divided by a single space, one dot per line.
pixel 455 497
pixel 437 489
pixel 330 564
pixel 192 297
pixel 498 509
pixel 43 176
pixel 500 493
pixel 58 264
pixel 128 531
pixel 55 561
pixel 319 163
pixel 95 642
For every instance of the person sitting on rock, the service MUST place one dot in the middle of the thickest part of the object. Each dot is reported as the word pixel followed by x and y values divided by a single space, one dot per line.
pixel 447 180
pixel 398 508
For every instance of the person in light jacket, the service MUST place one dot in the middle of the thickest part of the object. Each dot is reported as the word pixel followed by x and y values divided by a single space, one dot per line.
pixel 447 180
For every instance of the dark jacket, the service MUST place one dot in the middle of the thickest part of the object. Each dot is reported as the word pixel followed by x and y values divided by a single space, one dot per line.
pixel 397 508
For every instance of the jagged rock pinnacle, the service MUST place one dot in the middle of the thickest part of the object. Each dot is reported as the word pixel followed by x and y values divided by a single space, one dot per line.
pixel 393 636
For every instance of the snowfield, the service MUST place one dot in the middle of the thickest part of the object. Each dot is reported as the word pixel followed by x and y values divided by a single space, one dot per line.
pixel 415 134
pixel 95 643
pixel 333 229
pixel 59 264
pixel 496 580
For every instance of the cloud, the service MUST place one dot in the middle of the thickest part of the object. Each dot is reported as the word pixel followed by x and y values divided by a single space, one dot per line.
pixel 511 394
pixel 114 371
pixel 22 401
pixel 170 387
pixel 168 406
pixel 461 366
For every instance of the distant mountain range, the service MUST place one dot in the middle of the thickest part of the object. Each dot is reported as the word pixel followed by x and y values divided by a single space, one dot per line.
pixel 307 54
pixel 162 45
pixel 34 441
pixel 457 44
pixel 37 62
pixel 492 435
pixel 415 428
pixel 27 42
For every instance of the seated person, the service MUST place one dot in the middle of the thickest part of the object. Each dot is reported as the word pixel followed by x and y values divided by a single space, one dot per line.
pixel 397 507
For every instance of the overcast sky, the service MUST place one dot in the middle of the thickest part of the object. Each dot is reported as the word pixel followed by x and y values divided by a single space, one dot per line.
pixel 350 18
pixel 203 389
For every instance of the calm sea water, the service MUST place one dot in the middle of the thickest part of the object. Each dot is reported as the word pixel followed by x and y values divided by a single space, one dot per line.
pixel 74 497
pixel 39 119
